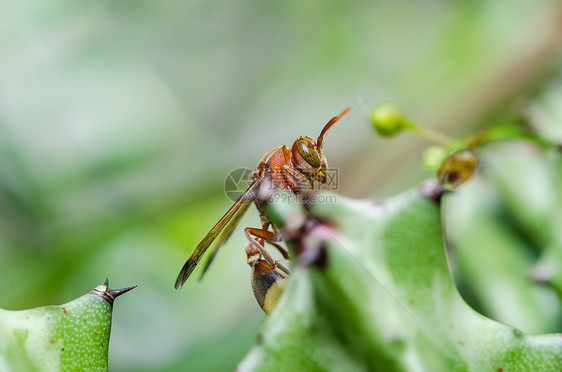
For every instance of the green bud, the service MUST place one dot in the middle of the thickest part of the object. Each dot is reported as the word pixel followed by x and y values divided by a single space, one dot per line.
pixel 433 157
pixel 388 120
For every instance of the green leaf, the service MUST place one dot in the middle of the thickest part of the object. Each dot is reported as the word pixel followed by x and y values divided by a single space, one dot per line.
pixel 376 294
pixel 69 337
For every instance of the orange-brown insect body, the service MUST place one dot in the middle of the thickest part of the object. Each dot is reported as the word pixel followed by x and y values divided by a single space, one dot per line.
pixel 292 170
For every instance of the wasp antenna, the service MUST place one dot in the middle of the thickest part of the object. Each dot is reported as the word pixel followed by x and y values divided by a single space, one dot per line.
pixel 329 125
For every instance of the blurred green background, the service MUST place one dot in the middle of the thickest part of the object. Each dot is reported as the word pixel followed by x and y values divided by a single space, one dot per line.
pixel 120 120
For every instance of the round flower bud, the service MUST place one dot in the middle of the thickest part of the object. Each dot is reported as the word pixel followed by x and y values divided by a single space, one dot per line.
pixel 388 120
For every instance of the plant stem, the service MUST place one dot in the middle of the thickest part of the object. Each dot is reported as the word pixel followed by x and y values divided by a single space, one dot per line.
pixel 431 135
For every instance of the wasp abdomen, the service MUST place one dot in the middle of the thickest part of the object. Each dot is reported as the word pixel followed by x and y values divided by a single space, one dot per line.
pixel 268 283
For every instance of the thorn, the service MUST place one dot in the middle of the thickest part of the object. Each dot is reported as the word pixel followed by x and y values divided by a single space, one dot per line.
pixel 118 292
pixel 541 273
pixel 107 294
pixel 433 190
pixel 314 256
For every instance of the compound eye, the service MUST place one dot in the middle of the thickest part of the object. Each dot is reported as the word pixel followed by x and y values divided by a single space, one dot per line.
pixel 309 154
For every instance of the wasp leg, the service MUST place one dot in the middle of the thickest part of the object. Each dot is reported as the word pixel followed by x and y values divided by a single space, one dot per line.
pixel 269 237
pixel 249 231
pixel 265 224
pixel 283 251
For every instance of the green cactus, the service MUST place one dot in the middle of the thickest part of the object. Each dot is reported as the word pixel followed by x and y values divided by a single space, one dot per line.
pixel 371 291
pixel 69 337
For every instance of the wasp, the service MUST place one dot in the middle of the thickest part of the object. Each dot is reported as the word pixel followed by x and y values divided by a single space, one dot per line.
pixel 293 170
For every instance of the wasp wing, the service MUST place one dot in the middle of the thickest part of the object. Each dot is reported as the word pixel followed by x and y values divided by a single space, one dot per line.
pixel 226 233
pixel 240 205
